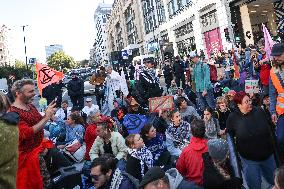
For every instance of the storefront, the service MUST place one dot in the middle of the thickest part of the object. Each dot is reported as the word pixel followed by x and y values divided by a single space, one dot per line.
pixel 184 36
pixel 247 17
pixel 210 29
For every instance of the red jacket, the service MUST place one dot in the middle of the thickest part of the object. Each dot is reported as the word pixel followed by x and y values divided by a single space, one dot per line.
pixel 90 136
pixel 190 163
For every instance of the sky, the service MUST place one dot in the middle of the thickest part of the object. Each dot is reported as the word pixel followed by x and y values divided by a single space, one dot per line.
pixel 66 22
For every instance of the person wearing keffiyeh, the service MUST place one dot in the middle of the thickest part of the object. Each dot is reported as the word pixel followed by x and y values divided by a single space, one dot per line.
pixel 178 134
pixel 139 158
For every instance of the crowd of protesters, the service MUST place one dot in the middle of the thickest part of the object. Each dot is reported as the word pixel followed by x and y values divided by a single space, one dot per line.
pixel 216 136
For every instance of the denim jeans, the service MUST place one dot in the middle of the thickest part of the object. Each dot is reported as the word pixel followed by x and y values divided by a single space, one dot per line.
pixel 207 100
pixel 280 134
pixel 254 170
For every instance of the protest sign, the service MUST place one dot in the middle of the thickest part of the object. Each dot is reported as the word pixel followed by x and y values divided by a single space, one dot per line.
pixel 161 103
pixel 134 122
pixel 251 86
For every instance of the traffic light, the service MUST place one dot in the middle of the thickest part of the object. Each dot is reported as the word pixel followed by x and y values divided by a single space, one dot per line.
pixel 227 35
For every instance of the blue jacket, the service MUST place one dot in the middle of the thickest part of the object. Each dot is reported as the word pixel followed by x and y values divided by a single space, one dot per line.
pixel 201 75
pixel 157 146
pixel 74 133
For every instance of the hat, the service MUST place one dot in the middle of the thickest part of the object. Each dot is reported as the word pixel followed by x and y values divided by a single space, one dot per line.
pixel 226 90
pixel 277 49
pixel 149 60
pixel 192 54
pixel 232 93
pixel 152 174
pixel 218 149
pixel 89 99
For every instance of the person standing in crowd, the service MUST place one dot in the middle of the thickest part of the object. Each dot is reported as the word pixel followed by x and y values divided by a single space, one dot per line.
pixel 264 69
pixel 105 175
pixel 75 89
pixel 276 93
pixel 9 135
pixel 157 178
pixel 98 80
pixel 252 132
pixel 131 72
pixel 227 63
pixel 53 92
pixel 90 107
pixel 139 158
pixel 178 69
pixel 148 84
pixel 177 134
pixel 30 133
pixel 190 163
pixel 168 74
pixel 63 112
pixel 201 76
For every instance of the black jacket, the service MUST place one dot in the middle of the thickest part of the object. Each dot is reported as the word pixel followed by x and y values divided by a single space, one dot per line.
pixel 253 134
pixel 178 68
pixel 212 178
pixel 133 167
pixel 168 72
pixel 75 87
pixel 148 88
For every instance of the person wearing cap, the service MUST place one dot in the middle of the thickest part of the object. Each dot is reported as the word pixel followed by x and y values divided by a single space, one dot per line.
pixel 75 89
pixel 148 84
pixel 157 178
pixel 276 92
pixel 178 69
pixel 201 76
pixel 217 166
pixel 90 107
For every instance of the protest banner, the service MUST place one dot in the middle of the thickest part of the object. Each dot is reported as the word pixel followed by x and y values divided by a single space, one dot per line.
pixel 134 122
pixel 161 103
pixel 251 86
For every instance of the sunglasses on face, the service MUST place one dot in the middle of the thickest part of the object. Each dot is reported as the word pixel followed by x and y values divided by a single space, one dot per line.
pixel 95 177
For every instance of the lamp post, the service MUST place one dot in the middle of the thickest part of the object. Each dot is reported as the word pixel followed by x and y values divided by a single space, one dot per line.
pixel 25 47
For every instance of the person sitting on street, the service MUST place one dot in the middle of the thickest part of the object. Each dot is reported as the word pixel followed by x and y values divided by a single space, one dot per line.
pixel 74 130
pixel 188 113
pixel 139 158
pixel 217 169
pixel 190 163
pixel 178 134
pixel 63 112
pixel 155 142
pixel 173 88
pixel 105 174
pixel 157 178
pixel 212 126
pixel 109 142
pixel 90 107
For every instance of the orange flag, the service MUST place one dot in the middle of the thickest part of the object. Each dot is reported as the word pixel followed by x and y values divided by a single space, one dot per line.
pixel 46 76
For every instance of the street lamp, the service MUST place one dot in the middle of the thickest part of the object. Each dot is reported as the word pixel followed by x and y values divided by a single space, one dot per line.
pixel 25 47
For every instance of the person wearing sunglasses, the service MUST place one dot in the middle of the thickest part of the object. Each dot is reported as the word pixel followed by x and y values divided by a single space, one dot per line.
pixel 104 174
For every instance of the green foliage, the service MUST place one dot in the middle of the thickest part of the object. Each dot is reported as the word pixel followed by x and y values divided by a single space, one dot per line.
pixel 19 64
pixel 61 61
pixel 18 72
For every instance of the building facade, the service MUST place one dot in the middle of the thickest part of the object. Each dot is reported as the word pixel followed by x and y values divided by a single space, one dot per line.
pixel 51 49
pixel 99 53
pixel 6 57
pixel 125 33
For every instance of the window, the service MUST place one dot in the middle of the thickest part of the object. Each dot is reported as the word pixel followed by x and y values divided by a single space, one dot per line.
pixel 174 6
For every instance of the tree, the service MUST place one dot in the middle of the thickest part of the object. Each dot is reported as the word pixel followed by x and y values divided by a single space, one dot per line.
pixel 60 61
